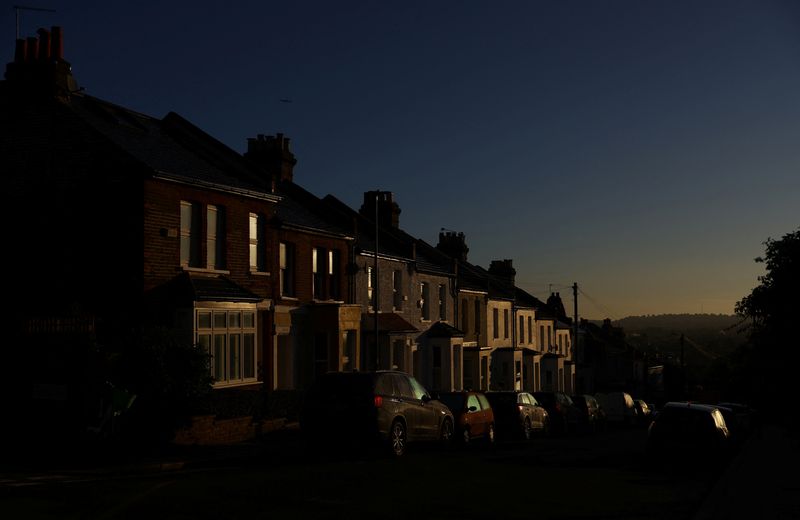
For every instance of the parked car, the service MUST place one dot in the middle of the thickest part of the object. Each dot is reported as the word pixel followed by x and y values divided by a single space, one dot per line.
pixel 688 432
pixel 565 417
pixel 518 414
pixel 619 407
pixel 746 417
pixel 386 407
pixel 644 414
pixel 474 417
pixel 594 414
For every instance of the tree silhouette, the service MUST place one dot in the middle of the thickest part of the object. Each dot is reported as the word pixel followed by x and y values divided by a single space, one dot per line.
pixel 771 312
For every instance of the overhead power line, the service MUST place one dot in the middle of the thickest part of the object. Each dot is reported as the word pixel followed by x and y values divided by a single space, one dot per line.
pixel 608 312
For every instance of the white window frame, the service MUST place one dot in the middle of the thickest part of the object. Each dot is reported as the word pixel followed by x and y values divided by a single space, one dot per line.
pixel 241 331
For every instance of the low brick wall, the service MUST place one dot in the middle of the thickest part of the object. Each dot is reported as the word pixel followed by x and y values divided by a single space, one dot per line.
pixel 208 430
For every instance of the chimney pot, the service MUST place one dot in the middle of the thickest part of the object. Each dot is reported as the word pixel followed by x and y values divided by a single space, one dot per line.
pixel 20 51
pixel 33 49
pixel 56 43
pixel 44 45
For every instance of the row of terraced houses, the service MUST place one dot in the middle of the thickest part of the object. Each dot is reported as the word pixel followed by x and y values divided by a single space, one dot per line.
pixel 126 218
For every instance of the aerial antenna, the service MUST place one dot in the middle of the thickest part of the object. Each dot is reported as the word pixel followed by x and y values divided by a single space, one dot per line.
pixel 18 8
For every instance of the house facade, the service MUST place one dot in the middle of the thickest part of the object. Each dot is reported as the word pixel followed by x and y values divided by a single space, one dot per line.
pixel 152 221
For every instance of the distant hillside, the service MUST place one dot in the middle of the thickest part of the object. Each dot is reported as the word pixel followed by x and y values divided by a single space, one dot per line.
pixel 706 336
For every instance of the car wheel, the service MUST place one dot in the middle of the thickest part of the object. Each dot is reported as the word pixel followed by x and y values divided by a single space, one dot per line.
pixel 397 438
pixel 465 437
pixel 526 429
pixel 446 435
pixel 490 434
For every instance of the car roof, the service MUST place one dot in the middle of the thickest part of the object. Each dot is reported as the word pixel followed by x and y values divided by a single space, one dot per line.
pixel 691 406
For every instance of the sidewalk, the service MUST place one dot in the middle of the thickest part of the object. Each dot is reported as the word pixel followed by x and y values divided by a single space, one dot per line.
pixel 763 481
pixel 112 462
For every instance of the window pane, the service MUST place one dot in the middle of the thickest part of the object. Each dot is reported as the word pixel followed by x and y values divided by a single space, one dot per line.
pixel 249 356
pixel 235 320
pixel 204 343
pixel 254 257
pixel 234 349
pixel 248 320
pixel 203 320
pixel 219 357
pixel 220 320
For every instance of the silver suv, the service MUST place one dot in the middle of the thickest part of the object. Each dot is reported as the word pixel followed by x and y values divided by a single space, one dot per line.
pixel 386 407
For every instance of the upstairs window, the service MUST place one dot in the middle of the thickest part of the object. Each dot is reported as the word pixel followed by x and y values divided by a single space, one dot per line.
pixel 464 316
pixel 442 302
pixel 495 323
pixel 318 270
pixel 215 237
pixel 258 252
pixel 371 287
pixel 530 330
pixel 287 266
pixel 522 329
pixel 505 323
pixel 425 292
pixel 477 316
pixel 397 289
pixel 334 274
pixel 191 225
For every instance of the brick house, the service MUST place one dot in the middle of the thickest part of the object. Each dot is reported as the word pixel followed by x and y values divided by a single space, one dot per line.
pixel 317 325
pixel 411 300
pixel 125 219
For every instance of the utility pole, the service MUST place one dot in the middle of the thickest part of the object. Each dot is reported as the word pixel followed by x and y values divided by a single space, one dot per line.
pixel 375 288
pixel 684 387
pixel 574 346
pixel 575 300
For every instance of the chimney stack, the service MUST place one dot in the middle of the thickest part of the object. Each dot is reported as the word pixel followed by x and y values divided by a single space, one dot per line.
pixel 453 245
pixel 39 66
pixel 504 270
pixel 388 209
pixel 56 43
pixel 273 154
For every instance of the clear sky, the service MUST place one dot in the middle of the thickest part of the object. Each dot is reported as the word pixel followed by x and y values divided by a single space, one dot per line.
pixel 643 149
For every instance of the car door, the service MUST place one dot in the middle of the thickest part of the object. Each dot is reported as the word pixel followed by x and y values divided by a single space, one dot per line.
pixel 428 414
pixel 407 406
pixel 526 401
pixel 487 415
pixel 539 413
pixel 472 416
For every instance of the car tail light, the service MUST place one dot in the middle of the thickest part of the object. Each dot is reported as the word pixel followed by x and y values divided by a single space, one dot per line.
pixel 378 401
pixel 558 407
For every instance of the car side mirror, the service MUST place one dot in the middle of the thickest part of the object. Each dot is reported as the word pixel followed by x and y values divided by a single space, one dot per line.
pixel 473 409
pixel 426 398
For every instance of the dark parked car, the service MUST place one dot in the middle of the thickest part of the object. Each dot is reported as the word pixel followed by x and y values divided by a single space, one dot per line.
pixel 385 407
pixel 565 417
pixel 518 414
pixel 594 415
pixel 644 414
pixel 474 417
pixel 688 431
pixel 746 418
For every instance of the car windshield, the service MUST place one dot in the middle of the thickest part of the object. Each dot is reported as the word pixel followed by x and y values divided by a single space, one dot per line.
pixel 453 401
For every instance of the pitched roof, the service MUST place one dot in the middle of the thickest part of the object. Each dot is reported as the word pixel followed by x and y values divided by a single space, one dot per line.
pixel 387 322
pixel 171 148
pixel 441 329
